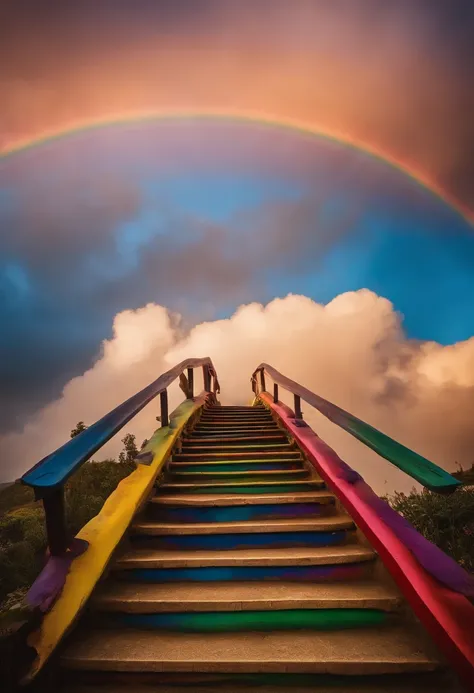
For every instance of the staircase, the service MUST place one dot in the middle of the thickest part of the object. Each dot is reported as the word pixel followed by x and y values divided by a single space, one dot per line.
pixel 244 573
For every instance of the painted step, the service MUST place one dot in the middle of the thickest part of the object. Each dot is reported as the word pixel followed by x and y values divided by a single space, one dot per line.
pixel 332 523
pixel 214 433
pixel 242 466
pixel 282 475
pixel 243 621
pixel 223 499
pixel 227 440
pixel 232 455
pixel 239 487
pixel 238 416
pixel 243 596
pixel 371 651
pixel 223 508
pixel 289 683
pixel 229 536
pixel 222 449
pixel 152 558
pixel 220 425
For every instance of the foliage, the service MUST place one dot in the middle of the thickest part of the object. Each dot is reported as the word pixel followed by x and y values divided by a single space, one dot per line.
pixel 465 475
pixel 22 529
pixel 446 520
pixel 80 426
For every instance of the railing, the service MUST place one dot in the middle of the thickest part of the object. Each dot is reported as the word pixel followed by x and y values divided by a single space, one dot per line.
pixel 416 466
pixel 48 476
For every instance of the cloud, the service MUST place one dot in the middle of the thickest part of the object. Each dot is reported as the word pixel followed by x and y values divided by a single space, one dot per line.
pixel 65 269
pixel 352 351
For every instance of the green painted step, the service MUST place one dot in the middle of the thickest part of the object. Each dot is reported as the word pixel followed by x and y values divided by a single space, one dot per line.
pixel 243 596
pixel 387 650
pixel 228 456
pixel 282 475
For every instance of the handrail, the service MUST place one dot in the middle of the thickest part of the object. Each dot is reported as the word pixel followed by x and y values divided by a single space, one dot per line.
pixel 430 475
pixel 50 474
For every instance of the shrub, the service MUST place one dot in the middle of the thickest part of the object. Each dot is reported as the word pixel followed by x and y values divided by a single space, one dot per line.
pixel 446 520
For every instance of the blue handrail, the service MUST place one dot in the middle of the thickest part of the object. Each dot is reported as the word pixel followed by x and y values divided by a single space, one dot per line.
pixel 53 471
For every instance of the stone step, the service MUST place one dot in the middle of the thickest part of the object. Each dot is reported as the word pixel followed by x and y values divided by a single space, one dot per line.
pixel 222 449
pixel 229 440
pixel 390 683
pixel 243 596
pixel 153 558
pixel 240 487
pixel 223 499
pixel 227 456
pixel 235 466
pixel 282 475
pixel 332 523
pixel 382 650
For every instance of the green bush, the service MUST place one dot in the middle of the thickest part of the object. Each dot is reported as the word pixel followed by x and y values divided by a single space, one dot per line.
pixel 446 520
pixel 22 529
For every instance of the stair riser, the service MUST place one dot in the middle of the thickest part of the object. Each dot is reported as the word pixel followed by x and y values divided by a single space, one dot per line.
pixel 231 441
pixel 228 488
pixel 310 573
pixel 243 513
pixel 238 621
pixel 190 477
pixel 237 449
pixel 235 467
pixel 230 542
pixel 234 455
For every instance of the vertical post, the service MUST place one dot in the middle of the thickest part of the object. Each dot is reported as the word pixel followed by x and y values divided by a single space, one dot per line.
pixel 275 392
pixel 164 408
pixel 55 518
pixel 262 380
pixel 190 383
pixel 298 414
pixel 207 378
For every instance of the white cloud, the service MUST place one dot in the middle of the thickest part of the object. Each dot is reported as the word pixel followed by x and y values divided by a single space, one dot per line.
pixel 352 351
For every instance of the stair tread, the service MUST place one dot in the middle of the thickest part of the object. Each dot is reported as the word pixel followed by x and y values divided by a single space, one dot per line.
pixel 313 481
pixel 223 499
pixel 217 463
pixel 234 596
pixel 373 650
pixel 317 524
pixel 176 558
pixel 228 438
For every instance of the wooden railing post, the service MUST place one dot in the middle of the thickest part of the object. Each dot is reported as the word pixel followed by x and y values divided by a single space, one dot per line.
pixel 164 408
pixel 55 518
pixel 298 413
pixel 207 378
pixel 190 383
pixel 262 380
pixel 275 392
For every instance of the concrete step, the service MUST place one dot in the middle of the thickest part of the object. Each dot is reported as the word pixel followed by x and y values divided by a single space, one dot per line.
pixel 333 523
pixel 243 596
pixel 240 487
pixel 235 465
pixel 153 558
pixel 227 456
pixel 282 475
pixel 222 449
pixel 224 500
pixel 383 650
pixel 390 683
pixel 225 510
pixel 229 440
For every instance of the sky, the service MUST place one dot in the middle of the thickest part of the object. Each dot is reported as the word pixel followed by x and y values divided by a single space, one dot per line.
pixel 171 209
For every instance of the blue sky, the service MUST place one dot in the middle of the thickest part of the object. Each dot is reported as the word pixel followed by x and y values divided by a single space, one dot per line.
pixel 200 217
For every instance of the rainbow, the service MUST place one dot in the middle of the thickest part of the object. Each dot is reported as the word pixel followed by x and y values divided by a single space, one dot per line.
pixel 301 127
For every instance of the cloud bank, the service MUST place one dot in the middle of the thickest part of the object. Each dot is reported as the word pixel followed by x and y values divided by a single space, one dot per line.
pixel 352 351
